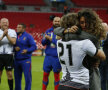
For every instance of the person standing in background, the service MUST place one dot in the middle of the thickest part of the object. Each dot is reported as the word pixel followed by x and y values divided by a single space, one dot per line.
pixel 51 60
pixel 104 65
pixel 24 47
pixel 7 40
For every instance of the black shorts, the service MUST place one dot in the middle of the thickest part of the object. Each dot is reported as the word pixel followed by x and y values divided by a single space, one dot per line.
pixel 63 87
pixel 70 85
pixel 6 60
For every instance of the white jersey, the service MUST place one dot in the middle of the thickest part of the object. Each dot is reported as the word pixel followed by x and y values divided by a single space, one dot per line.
pixel 71 55
pixel 5 46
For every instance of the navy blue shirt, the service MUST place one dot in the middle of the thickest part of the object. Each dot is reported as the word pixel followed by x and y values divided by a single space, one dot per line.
pixel 51 47
pixel 25 41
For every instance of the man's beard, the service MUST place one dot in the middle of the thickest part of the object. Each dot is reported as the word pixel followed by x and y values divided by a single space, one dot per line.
pixel 55 26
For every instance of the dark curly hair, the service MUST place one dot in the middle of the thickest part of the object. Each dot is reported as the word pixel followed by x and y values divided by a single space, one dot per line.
pixel 94 23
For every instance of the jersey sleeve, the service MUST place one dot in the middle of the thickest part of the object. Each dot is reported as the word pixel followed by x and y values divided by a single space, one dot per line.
pixel 59 31
pixel 32 44
pixel 12 33
pixel 89 48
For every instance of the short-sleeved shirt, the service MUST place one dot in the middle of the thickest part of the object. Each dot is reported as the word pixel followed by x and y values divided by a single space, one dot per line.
pixel 71 55
pixel 5 46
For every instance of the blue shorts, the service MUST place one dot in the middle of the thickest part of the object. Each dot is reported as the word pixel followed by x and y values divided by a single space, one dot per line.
pixel 50 63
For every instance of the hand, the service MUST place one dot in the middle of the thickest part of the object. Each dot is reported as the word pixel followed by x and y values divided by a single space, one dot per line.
pixel 58 37
pixel 66 30
pixel 17 48
pixel 73 29
pixel 96 64
pixel 24 51
pixel 5 32
pixel 48 37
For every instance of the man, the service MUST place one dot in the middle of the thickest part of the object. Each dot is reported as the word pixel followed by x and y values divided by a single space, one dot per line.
pixel 91 23
pixel 7 40
pixel 24 47
pixel 104 65
pixel 71 55
pixel 51 60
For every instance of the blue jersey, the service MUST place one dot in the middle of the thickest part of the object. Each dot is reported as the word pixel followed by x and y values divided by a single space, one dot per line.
pixel 51 47
pixel 25 41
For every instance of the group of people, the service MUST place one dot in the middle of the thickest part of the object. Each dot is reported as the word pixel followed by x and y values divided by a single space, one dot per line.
pixel 77 44
pixel 15 52
pixel 72 46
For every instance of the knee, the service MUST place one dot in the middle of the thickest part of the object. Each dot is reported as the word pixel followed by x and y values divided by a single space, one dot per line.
pixel 45 76
pixel 9 74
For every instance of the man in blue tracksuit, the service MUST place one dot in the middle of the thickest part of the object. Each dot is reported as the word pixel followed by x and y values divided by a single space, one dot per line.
pixel 51 60
pixel 24 47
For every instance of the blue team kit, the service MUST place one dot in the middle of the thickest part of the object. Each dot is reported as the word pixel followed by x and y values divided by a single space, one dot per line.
pixel 23 61
pixel 51 59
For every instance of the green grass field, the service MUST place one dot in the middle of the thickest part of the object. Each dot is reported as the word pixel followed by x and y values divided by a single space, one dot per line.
pixel 37 75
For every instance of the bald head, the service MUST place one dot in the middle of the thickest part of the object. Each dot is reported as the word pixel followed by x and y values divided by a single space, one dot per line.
pixel 56 22
pixel 4 19
pixel 4 23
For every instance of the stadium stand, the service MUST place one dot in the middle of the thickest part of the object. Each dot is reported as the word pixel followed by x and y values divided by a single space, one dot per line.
pixel 37 8
pixel 54 9
pixel 40 18
pixel 25 2
pixel 36 23
pixel 21 8
pixel 91 3
pixel 103 13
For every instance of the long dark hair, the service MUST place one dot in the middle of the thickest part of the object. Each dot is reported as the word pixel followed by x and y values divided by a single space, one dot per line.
pixel 94 23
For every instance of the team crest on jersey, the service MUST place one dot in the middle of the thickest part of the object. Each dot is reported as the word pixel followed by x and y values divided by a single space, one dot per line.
pixel 24 38
pixel 52 45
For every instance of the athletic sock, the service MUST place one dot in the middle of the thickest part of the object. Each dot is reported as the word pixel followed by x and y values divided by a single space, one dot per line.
pixel 45 80
pixel 57 79
pixel 10 83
